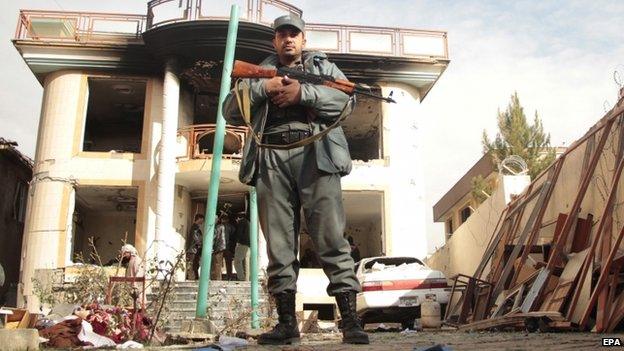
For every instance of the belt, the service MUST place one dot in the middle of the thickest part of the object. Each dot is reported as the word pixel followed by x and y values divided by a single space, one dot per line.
pixel 283 138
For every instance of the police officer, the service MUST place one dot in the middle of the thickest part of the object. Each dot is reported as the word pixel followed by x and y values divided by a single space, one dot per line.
pixel 285 111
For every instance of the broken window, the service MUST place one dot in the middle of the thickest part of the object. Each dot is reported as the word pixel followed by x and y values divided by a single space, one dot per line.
pixel 449 226
pixel 115 111
pixel 363 130
pixel 106 215
pixel 19 202
pixel 465 213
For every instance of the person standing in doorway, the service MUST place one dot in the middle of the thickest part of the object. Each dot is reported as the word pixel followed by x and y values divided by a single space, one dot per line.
pixel 218 248
pixel 241 253
pixel 193 247
pixel 230 245
pixel 355 250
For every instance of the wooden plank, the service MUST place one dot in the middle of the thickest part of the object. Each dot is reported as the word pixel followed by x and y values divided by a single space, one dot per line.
pixel 605 247
pixel 561 219
pixel 615 280
pixel 518 298
pixel 617 314
pixel 607 211
pixel 535 290
pixel 585 180
pixel 467 304
pixel 481 305
pixel 535 217
pixel 604 273
pixel 553 177
pixel 498 257
pixel 511 320
pixel 492 323
pixel 580 240
pixel 566 281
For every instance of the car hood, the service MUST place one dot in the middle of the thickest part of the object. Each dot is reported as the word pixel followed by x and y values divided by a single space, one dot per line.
pixel 401 272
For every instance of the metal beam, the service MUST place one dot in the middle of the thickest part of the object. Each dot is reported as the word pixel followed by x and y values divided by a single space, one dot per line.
pixel 215 170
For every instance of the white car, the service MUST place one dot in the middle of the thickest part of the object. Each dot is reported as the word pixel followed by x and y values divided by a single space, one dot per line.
pixel 394 287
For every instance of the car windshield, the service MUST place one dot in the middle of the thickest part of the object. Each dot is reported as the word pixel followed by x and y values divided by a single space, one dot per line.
pixel 392 262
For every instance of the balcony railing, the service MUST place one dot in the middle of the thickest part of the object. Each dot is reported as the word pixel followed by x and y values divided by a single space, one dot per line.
pixel 160 12
pixel 196 141
pixel 60 26
pixel 376 41
pixel 81 27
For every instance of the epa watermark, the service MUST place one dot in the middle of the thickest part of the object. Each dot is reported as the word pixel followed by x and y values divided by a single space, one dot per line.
pixel 611 342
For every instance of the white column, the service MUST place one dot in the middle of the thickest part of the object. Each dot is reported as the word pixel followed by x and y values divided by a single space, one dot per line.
pixel 165 246
pixel 407 217
pixel 47 231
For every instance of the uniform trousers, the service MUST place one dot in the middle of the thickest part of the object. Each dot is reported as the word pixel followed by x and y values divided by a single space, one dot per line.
pixel 289 180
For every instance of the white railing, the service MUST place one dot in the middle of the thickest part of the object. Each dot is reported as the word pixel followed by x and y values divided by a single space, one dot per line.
pixel 377 40
pixel 162 12
pixel 79 26
pixel 82 27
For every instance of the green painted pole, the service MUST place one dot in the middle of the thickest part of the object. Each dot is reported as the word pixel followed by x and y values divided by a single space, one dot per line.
pixel 215 173
pixel 253 265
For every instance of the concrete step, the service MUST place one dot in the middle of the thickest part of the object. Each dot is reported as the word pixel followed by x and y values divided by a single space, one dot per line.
pixel 191 303
pixel 213 283
pixel 225 299
pixel 212 290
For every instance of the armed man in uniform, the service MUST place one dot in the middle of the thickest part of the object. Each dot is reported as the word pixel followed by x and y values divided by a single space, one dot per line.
pixel 284 111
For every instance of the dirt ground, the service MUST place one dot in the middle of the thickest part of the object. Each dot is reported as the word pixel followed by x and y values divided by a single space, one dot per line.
pixel 456 341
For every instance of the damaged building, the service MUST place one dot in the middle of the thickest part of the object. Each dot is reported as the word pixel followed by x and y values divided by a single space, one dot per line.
pixel 129 115
pixel 15 175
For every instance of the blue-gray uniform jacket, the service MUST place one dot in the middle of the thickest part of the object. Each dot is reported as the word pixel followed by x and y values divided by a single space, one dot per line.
pixel 324 103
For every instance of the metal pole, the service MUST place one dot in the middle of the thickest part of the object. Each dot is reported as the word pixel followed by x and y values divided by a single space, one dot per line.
pixel 253 265
pixel 215 173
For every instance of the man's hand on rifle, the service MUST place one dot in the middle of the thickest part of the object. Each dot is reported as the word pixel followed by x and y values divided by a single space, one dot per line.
pixel 289 94
pixel 271 86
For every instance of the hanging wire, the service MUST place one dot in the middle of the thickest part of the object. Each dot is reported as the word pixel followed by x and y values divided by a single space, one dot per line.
pixel 59 5
pixel 618 75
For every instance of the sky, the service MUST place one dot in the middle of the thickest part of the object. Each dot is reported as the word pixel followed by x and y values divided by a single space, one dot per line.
pixel 559 56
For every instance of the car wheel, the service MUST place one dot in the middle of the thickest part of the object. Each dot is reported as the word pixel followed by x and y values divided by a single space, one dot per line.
pixel 408 324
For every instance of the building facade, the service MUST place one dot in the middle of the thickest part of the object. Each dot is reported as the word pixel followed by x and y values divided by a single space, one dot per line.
pixel 129 114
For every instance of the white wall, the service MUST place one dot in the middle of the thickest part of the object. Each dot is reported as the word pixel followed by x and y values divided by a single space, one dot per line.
pixel 406 218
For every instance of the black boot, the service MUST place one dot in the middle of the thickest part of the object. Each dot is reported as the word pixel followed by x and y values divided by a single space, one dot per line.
pixel 352 332
pixel 286 331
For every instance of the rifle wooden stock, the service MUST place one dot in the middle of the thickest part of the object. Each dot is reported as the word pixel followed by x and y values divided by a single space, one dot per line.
pixel 244 69
pixel 342 85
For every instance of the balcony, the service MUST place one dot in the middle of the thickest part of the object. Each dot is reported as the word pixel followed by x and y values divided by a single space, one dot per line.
pixel 196 142
pixel 61 27
pixel 79 27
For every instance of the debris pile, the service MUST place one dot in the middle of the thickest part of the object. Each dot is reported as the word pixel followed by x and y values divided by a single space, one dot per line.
pixel 554 261
pixel 95 325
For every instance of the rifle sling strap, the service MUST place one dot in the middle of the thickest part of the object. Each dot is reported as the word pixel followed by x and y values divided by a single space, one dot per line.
pixel 244 105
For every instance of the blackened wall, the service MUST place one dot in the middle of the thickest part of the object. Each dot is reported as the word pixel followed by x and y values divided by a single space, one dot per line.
pixel 15 174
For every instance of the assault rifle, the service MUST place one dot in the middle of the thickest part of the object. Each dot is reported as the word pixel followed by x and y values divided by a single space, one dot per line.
pixel 244 69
